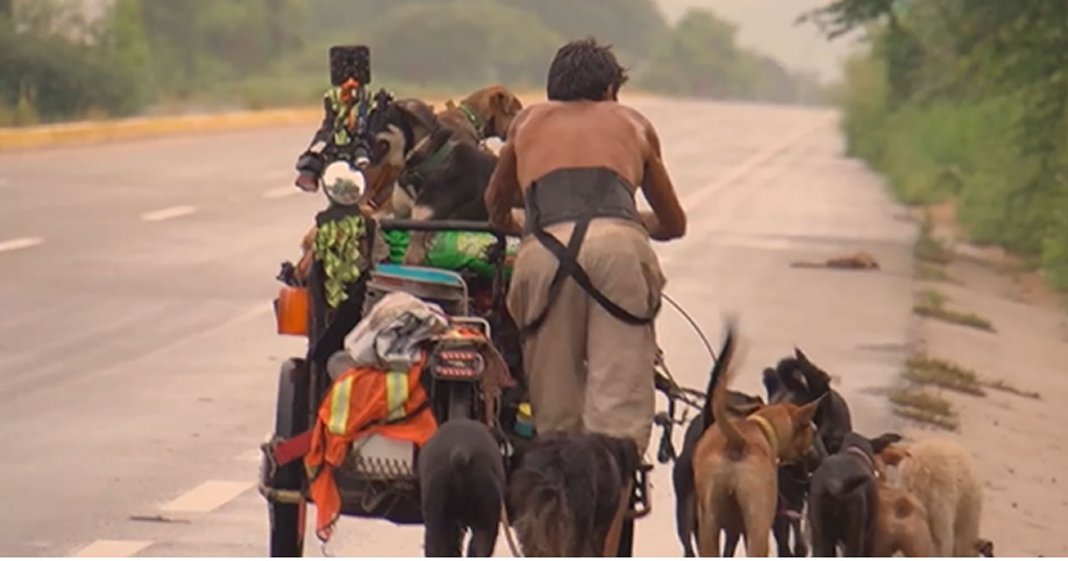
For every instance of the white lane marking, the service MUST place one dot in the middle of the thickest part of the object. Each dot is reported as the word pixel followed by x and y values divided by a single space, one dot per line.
pixel 207 497
pixel 280 192
pixel 112 548
pixel 168 213
pixel 19 243
pixel 748 165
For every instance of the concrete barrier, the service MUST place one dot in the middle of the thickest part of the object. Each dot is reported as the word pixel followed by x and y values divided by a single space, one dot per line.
pixel 96 132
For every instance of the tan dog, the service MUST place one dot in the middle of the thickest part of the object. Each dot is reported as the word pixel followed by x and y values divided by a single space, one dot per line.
pixel 735 469
pixel 900 523
pixel 942 476
pixel 486 113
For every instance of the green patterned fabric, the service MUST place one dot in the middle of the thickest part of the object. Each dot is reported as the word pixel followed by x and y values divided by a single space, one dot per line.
pixel 453 250
pixel 341 115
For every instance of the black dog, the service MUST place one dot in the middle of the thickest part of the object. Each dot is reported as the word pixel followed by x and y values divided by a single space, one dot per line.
pixel 843 502
pixel 565 492
pixel 797 380
pixel 462 481
pixel 442 176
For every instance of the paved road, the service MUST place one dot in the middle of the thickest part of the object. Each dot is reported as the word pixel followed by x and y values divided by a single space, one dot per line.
pixel 138 360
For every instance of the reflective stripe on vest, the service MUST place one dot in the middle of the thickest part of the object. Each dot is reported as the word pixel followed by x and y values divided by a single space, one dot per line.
pixel 340 401
pixel 396 394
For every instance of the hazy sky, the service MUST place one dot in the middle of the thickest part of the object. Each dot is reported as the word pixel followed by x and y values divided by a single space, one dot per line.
pixel 768 26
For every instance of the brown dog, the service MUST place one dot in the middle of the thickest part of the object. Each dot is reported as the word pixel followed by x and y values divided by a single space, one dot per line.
pixel 900 524
pixel 942 476
pixel 735 469
pixel 486 113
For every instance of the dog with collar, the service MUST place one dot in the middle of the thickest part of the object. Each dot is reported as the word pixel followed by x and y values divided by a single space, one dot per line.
pixel 442 176
pixel 739 405
pixel 735 466
pixel 844 501
pixel 486 113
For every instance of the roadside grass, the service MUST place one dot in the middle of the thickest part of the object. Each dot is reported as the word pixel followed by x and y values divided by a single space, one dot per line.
pixel 923 370
pixel 933 273
pixel 917 402
pixel 924 407
pixel 927 248
pixel 932 304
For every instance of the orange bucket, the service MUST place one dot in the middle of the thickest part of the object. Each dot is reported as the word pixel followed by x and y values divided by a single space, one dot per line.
pixel 291 310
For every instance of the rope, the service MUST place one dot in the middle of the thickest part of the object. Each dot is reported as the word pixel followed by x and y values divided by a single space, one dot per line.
pixel 696 328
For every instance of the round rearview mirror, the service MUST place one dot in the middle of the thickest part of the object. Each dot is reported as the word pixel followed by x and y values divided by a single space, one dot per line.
pixel 342 184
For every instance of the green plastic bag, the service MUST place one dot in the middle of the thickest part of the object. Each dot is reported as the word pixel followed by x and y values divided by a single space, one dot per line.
pixel 454 250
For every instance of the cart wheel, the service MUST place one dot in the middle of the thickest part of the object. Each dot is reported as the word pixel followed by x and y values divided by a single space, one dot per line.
pixel 291 418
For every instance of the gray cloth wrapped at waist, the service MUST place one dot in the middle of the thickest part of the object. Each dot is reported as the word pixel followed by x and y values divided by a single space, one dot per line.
pixel 566 195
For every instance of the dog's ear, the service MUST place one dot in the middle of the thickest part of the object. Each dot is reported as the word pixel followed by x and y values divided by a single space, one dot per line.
pixel 806 413
pixel 772 383
pixel 818 381
pixel 879 443
pixel 795 381
pixel 892 454
pixel 416 114
pixel 504 103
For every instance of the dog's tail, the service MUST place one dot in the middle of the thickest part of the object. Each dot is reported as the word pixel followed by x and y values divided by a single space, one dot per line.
pixel 708 412
pixel 546 526
pixel 723 374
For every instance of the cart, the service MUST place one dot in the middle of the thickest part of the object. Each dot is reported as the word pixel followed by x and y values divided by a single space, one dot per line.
pixel 380 482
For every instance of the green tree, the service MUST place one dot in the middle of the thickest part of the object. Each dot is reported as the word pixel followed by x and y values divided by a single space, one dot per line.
pixel 699 58
pixel 463 42
pixel 633 27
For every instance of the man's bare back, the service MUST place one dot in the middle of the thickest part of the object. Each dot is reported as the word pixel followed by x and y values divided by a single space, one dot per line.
pixel 553 135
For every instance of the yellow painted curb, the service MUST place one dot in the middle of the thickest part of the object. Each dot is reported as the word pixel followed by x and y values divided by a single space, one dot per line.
pixel 96 132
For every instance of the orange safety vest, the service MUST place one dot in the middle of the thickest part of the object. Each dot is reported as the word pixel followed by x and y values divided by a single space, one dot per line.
pixel 360 402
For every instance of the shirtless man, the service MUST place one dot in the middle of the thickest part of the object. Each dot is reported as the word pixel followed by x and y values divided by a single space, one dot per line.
pixel 574 164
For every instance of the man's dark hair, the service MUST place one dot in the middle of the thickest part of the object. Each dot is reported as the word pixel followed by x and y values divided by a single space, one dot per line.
pixel 582 69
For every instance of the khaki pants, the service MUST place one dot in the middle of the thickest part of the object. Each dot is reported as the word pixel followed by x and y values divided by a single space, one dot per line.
pixel 587 370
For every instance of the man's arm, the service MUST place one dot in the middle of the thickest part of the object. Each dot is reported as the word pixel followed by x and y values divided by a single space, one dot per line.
pixel 503 191
pixel 667 221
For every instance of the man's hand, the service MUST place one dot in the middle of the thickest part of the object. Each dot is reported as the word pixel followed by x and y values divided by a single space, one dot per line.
pixel 502 192
pixel 667 221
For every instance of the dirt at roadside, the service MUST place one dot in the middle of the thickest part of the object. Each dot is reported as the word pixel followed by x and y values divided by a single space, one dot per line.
pixel 1018 442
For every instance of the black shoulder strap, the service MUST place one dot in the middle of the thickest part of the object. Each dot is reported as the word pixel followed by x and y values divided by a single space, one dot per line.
pixel 569 266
